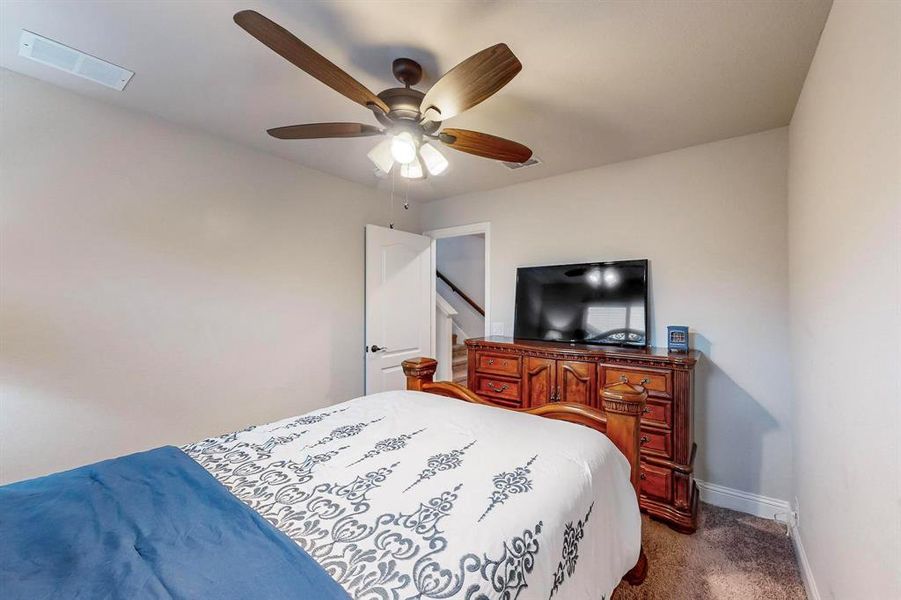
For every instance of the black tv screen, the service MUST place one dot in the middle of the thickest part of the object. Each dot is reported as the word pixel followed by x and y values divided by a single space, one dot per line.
pixel 590 303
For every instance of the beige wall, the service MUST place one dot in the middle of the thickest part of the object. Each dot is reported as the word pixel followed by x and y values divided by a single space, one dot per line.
pixel 845 273
pixel 712 221
pixel 160 285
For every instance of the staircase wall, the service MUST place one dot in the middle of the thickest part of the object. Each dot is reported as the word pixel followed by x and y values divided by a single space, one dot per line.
pixel 462 260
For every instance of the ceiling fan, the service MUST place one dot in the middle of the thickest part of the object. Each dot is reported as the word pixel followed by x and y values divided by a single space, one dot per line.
pixel 412 119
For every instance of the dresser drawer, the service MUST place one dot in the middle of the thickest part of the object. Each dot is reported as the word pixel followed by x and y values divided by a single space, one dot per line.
pixel 656 442
pixel 498 388
pixel 658 412
pixel 656 483
pixel 498 364
pixel 657 382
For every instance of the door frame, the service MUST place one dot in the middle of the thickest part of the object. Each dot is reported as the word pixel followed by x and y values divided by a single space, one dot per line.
pixel 483 227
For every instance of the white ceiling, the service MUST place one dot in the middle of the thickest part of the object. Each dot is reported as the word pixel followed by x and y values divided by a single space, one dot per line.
pixel 601 82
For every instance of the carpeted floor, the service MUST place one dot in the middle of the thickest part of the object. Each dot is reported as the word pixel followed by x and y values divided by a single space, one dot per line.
pixel 731 556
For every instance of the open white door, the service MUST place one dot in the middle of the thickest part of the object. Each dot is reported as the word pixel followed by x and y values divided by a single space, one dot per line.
pixel 399 309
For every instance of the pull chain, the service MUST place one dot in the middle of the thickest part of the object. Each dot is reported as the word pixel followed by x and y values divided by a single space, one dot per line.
pixel 393 192
pixel 391 202
pixel 406 194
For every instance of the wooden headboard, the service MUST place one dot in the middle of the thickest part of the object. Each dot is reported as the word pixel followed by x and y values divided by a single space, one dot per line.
pixel 623 404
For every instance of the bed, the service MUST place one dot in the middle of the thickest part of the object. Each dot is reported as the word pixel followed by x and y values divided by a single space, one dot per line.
pixel 405 494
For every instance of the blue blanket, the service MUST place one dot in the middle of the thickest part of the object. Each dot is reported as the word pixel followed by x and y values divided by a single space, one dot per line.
pixel 149 525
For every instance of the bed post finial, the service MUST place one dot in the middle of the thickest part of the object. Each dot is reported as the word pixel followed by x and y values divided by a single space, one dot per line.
pixel 624 404
pixel 419 371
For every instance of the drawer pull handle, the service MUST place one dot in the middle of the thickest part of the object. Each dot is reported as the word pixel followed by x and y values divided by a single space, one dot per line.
pixel 497 388
pixel 625 379
pixel 644 440
pixel 646 410
pixel 490 361
pixel 642 476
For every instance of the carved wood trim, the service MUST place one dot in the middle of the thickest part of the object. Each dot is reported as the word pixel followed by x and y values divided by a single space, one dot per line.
pixel 579 377
pixel 541 367
pixel 598 354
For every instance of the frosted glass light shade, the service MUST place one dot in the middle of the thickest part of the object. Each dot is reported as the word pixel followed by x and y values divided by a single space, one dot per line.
pixel 403 148
pixel 434 160
pixel 381 156
pixel 411 170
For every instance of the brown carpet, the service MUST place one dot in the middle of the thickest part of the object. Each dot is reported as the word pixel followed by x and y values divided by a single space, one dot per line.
pixel 731 556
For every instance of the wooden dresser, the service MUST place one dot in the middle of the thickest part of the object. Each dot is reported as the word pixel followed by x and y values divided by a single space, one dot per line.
pixel 526 373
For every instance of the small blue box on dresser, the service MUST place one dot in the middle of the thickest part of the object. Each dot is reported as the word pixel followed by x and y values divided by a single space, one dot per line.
pixel 677 338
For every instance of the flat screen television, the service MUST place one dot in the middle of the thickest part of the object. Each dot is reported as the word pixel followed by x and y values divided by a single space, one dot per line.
pixel 590 303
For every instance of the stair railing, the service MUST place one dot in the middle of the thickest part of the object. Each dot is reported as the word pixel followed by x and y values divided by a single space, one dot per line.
pixel 460 293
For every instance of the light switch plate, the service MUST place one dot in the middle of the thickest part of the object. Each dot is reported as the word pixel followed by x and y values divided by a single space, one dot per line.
pixel 497 328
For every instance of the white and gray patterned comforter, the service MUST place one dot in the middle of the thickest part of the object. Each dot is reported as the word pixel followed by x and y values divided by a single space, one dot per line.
pixel 413 495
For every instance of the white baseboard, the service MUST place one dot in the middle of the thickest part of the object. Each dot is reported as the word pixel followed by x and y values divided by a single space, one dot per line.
pixel 746 502
pixel 765 507
pixel 810 585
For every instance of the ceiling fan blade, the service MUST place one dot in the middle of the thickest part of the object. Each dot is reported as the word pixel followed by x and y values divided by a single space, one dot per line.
pixel 484 145
pixel 470 82
pixel 286 44
pixel 312 131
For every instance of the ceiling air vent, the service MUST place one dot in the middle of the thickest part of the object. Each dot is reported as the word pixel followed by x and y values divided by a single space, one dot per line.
pixel 62 57
pixel 515 166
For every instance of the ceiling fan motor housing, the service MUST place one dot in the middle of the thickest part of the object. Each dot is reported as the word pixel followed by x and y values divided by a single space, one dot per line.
pixel 403 105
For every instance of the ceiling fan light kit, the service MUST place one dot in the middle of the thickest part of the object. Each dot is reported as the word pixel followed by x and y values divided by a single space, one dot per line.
pixel 381 156
pixel 403 148
pixel 434 160
pixel 410 118
pixel 412 170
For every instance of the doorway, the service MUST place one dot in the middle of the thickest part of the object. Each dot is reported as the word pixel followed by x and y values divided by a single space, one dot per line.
pixel 461 294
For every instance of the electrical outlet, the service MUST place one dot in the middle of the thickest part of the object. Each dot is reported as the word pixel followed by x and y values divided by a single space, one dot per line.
pixel 497 328
pixel 789 518
pixel 786 519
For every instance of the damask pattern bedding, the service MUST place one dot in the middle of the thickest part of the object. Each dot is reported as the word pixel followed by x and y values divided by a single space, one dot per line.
pixel 413 495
